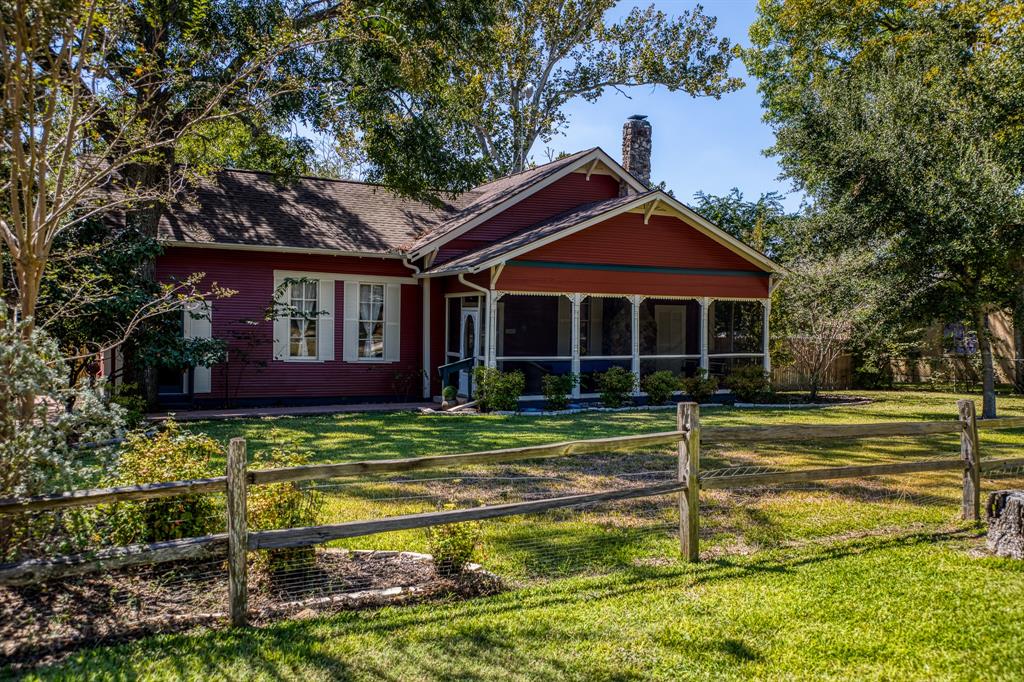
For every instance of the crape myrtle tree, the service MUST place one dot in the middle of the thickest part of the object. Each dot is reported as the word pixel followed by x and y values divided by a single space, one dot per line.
pixel 903 119
pixel 545 53
pixel 826 301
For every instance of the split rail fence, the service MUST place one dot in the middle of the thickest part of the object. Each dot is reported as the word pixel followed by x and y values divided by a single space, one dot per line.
pixel 688 437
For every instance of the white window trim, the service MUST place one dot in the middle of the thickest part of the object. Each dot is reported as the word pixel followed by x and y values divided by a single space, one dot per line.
pixel 288 323
pixel 383 321
pixel 392 318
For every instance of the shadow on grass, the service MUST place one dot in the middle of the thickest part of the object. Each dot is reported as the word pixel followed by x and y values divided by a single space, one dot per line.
pixel 455 640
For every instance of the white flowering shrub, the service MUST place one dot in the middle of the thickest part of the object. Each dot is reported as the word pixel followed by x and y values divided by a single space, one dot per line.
pixel 42 419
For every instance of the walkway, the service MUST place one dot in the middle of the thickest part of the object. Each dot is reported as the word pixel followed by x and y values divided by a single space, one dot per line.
pixel 295 411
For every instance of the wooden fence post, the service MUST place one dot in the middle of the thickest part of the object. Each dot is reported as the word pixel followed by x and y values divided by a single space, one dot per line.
pixel 238 533
pixel 688 419
pixel 971 455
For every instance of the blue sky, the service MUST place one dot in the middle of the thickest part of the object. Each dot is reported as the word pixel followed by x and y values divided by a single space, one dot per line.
pixel 699 143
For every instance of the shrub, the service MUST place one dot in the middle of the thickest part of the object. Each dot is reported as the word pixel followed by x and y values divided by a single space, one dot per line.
pixel 659 386
pixel 132 403
pixel 449 393
pixel 453 545
pixel 41 421
pixel 171 455
pixel 557 388
pixel 497 390
pixel 283 505
pixel 616 385
pixel 749 383
pixel 700 386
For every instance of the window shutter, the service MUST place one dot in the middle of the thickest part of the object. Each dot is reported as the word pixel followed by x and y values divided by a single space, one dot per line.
pixel 350 334
pixel 392 319
pixel 280 324
pixel 200 328
pixel 325 323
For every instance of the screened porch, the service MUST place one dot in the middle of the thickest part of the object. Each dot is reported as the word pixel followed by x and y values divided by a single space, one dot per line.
pixel 540 334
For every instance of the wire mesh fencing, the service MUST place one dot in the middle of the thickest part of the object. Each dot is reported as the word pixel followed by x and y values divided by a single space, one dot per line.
pixel 49 617
pixel 476 556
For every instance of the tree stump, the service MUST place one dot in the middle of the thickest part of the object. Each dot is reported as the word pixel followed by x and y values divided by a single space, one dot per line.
pixel 1005 512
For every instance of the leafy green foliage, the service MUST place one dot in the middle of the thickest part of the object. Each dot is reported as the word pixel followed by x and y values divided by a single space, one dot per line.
pixel 557 389
pixel 763 224
pixel 659 386
pixel 283 505
pixel 173 454
pixel 42 421
pixel 900 120
pixel 497 390
pixel 127 397
pixel 545 53
pixel 616 386
pixel 749 383
pixel 701 386
pixel 453 545
pixel 449 393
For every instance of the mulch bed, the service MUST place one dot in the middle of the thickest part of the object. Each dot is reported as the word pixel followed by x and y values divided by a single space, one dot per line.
pixel 42 624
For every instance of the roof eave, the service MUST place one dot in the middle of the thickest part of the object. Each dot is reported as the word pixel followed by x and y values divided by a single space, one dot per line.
pixel 595 154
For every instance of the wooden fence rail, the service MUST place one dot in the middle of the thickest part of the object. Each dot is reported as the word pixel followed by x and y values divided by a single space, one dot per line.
pixel 689 436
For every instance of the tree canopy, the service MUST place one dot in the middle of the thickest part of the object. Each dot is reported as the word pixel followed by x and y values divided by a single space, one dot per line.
pixel 899 119
pixel 544 53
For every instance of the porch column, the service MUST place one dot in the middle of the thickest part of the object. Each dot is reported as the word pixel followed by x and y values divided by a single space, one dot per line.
pixel 705 304
pixel 574 342
pixel 427 369
pixel 491 332
pixel 635 301
pixel 765 336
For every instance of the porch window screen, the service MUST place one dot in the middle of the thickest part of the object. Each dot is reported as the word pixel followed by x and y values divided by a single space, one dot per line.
pixel 302 322
pixel 735 327
pixel 606 327
pixel 669 336
pixel 534 327
pixel 371 321
pixel 734 335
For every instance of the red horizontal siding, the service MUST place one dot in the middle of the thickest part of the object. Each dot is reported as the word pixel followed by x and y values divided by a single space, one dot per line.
pixel 525 278
pixel 251 371
pixel 665 241
pixel 560 196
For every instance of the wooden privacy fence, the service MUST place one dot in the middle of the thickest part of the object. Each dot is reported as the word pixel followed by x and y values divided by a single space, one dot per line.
pixel 689 436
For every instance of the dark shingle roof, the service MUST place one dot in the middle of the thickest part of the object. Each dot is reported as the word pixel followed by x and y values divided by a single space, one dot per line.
pixel 549 227
pixel 255 209
pixel 249 208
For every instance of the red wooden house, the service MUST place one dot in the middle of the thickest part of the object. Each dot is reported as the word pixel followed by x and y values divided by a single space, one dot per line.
pixel 573 266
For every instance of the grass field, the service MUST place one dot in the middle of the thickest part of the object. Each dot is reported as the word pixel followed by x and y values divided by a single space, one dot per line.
pixel 871 578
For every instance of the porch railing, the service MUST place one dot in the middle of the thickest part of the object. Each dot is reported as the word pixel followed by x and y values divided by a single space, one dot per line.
pixel 454 368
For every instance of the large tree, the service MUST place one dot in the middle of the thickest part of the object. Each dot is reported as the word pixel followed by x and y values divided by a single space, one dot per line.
pixel 103 99
pixel 899 119
pixel 545 53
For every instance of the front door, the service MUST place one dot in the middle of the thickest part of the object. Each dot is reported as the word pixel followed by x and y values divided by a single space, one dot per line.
pixel 470 344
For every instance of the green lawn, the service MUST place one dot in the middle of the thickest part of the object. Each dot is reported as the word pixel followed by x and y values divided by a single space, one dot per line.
pixel 869 578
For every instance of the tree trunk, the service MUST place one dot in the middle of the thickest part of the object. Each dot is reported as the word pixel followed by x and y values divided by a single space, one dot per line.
pixel 1018 345
pixel 988 377
pixel 1005 512
pixel 146 219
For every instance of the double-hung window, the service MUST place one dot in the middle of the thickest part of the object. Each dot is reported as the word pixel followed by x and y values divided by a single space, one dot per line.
pixel 371 321
pixel 302 322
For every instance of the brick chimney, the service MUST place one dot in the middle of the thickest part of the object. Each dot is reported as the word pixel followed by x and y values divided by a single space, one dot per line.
pixel 636 149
